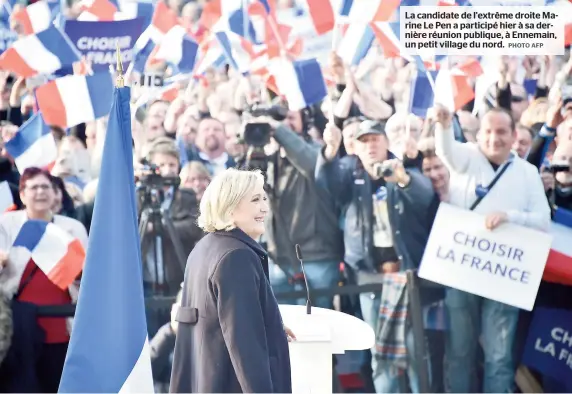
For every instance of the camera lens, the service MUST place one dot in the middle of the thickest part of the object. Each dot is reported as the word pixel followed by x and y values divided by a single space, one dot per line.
pixel 257 134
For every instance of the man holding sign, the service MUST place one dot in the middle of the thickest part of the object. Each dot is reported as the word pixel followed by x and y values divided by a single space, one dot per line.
pixel 488 178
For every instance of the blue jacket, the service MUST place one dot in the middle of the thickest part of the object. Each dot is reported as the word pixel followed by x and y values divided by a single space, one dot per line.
pixel 411 211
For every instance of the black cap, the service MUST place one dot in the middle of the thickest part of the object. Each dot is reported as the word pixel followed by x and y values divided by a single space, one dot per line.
pixel 368 127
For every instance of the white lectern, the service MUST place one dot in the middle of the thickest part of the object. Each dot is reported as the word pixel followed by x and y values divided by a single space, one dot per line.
pixel 318 336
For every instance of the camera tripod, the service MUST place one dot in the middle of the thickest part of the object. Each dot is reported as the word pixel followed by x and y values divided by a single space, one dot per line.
pixel 162 226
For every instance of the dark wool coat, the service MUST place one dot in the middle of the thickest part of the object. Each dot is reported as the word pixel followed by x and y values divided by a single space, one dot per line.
pixel 230 337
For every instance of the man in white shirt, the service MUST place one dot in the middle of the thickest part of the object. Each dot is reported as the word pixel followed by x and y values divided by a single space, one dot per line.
pixel 518 197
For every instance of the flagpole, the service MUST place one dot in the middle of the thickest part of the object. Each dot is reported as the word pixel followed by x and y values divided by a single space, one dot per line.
pixel 119 81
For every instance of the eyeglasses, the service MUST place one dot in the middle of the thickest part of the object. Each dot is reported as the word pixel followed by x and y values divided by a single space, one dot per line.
pixel 42 187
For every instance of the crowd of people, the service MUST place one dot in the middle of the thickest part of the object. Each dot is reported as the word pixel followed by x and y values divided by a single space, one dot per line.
pixel 355 180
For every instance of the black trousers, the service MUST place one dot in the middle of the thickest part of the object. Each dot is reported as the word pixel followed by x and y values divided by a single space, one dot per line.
pixel 50 366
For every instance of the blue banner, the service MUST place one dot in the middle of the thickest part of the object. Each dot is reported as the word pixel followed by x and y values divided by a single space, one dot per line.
pixel 7 37
pixel 549 344
pixel 97 41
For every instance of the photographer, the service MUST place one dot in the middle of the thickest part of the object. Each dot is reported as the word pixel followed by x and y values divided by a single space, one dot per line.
pixel 389 212
pixel 301 213
pixel 555 174
pixel 562 190
pixel 181 204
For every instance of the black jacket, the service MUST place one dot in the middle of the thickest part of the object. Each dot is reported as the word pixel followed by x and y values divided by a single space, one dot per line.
pixel 183 212
pixel 301 213
pixel 230 337
pixel 411 211
pixel 162 346
pixel 84 213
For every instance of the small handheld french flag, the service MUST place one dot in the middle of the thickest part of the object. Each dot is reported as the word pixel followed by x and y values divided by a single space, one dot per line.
pixel 33 145
pixel 42 53
pixel 237 50
pixel 367 10
pixel 59 255
pixel 356 43
pixel 178 49
pixel 37 16
pixel 75 99
pixel 300 82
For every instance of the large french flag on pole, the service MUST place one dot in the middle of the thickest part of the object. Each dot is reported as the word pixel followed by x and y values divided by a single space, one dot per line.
pixel 109 348
pixel 59 255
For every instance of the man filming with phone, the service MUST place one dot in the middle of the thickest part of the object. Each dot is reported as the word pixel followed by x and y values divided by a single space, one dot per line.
pixel 389 211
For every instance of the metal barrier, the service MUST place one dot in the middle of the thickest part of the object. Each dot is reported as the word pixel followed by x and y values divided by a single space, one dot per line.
pixel 415 310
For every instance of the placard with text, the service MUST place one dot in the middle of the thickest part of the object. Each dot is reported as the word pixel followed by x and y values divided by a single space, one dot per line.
pixel 549 344
pixel 98 41
pixel 505 264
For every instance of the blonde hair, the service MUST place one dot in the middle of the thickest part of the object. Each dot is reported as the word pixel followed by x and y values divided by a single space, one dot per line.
pixel 194 166
pixel 223 195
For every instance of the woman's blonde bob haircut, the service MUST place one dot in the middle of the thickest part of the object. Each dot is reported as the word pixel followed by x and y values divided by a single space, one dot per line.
pixel 223 195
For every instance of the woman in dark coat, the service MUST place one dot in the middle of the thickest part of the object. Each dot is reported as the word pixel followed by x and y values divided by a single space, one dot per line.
pixel 230 336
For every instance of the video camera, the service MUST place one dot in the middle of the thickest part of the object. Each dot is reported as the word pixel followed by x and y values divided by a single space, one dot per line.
pixel 258 134
pixel 153 178
pixel 150 185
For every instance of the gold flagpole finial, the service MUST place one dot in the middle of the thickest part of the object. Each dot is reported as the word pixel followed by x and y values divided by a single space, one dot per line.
pixel 120 82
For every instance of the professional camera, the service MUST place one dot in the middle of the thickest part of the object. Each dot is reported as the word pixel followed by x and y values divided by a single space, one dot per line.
pixel 150 186
pixel 276 112
pixel 153 178
pixel 258 134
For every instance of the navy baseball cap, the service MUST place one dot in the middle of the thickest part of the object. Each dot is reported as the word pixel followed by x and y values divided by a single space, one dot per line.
pixel 369 127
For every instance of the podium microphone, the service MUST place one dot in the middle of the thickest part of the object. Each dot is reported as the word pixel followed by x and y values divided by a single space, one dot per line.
pixel 308 302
